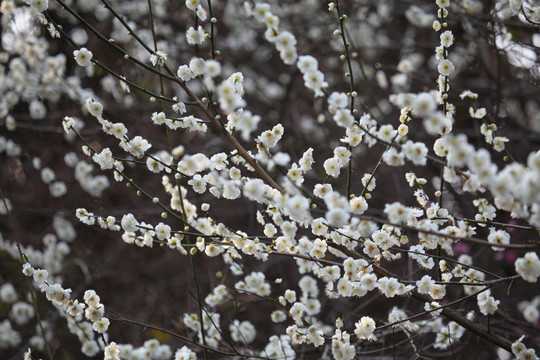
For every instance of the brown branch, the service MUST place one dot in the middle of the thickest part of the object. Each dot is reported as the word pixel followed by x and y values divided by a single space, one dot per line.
pixel 532 246
pixel 230 138
pixel 450 314
pixel 169 332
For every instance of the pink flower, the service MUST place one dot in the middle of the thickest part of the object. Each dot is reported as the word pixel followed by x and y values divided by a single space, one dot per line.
pixel 461 248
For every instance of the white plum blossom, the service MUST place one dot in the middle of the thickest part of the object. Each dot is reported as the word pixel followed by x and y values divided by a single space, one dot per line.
pixel 332 166
pixel 83 56
pixel 498 237
pixel 365 328
pixel 195 36
pixel 314 80
pixel 158 58
pixel 185 73
pixel 415 152
pixel 94 107
pixel 528 267
pixel 397 213
pixel 424 104
pixel 445 67
pixel 447 38
pixel 307 63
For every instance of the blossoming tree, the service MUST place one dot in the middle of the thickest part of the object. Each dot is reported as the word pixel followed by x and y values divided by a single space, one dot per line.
pixel 269 180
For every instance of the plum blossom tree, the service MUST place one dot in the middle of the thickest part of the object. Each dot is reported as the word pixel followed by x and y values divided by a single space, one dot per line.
pixel 269 180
